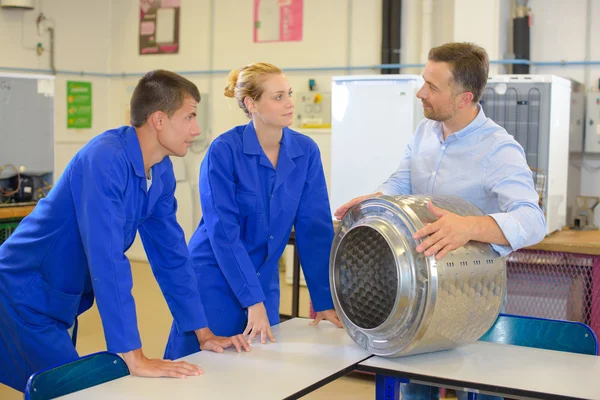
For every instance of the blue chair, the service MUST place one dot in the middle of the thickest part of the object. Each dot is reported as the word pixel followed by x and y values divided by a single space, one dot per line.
pixel 80 374
pixel 541 333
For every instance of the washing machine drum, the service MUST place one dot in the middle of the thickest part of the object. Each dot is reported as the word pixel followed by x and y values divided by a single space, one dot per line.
pixel 394 301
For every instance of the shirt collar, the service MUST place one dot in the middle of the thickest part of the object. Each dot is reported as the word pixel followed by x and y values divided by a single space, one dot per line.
pixel 252 146
pixel 134 151
pixel 477 123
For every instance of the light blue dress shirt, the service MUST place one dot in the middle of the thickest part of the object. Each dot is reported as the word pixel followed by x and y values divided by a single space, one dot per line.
pixel 482 164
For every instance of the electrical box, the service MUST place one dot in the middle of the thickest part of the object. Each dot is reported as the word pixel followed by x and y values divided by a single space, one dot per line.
pixel 23 4
pixel 592 125
pixel 313 110
pixel 576 148
pixel 577 118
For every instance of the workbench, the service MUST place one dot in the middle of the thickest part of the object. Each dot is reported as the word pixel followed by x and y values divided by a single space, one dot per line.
pixel 571 241
pixel 15 210
pixel 11 215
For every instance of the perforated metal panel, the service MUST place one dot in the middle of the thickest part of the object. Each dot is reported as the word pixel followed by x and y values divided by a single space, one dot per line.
pixel 551 285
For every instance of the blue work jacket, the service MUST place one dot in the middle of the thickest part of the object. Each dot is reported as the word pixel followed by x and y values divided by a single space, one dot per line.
pixel 72 246
pixel 249 209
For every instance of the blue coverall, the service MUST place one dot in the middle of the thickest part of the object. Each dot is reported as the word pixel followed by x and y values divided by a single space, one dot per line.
pixel 71 248
pixel 249 209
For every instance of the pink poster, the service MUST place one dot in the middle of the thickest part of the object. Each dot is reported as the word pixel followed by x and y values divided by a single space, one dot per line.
pixel 277 20
pixel 159 26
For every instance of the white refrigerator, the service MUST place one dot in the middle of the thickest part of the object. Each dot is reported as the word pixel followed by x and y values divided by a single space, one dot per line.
pixel 373 119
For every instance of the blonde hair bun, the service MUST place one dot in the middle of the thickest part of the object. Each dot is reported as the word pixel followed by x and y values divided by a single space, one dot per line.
pixel 232 79
pixel 248 82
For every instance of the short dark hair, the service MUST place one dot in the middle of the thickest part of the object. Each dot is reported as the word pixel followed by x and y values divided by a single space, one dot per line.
pixel 468 62
pixel 160 90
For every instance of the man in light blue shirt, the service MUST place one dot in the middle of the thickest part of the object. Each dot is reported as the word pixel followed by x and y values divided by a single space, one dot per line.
pixel 458 151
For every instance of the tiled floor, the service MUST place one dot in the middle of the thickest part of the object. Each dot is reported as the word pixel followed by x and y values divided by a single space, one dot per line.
pixel 154 322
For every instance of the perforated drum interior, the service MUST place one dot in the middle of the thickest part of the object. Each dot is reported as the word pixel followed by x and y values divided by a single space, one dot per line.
pixel 368 277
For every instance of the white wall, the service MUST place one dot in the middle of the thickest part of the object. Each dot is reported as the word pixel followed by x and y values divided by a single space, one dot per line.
pixel 485 23
pixel 558 33
pixel 326 43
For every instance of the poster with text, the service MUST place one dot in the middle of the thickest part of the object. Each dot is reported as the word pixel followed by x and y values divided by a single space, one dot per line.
pixel 79 105
pixel 277 20
pixel 159 26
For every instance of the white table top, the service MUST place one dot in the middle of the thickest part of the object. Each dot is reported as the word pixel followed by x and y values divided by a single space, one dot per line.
pixel 303 358
pixel 525 371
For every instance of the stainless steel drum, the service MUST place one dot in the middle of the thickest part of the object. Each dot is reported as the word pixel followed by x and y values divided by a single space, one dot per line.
pixel 394 301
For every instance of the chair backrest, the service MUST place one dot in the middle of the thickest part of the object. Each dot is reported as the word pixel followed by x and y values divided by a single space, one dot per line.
pixel 77 375
pixel 541 333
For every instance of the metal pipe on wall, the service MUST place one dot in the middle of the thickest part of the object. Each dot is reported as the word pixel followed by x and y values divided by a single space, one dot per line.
pixel 391 34
pixel 375 67
pixel 588 43
pixel 52 65
pixel 349 34
pixel 521 41
pixel 426 29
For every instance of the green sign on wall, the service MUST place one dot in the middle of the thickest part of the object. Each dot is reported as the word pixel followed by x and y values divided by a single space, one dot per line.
pixel 79 104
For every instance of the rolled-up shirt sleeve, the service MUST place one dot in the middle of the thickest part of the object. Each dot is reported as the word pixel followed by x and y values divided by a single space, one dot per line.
pixel 509 179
